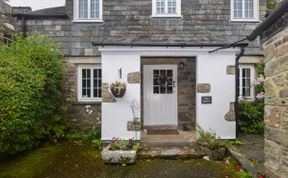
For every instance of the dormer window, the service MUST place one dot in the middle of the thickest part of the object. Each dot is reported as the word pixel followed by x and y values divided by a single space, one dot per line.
pixel 244 10
pixel 166 8
pixel 87 10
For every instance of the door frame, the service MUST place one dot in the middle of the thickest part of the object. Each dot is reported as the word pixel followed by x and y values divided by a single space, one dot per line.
pixel 175 89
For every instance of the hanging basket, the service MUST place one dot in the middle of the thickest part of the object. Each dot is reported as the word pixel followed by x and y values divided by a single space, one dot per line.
pixel 118 89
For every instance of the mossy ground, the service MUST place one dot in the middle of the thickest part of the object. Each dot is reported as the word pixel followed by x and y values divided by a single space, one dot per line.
pixel 76 161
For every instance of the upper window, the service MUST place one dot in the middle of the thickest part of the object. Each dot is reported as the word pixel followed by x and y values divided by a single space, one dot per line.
pixel 166 8
pixel 87 10
pixel 89 83
pixel 244 10
pixel 246 78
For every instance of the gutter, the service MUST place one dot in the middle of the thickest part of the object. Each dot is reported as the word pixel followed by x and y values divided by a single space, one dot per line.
pixel 182 45
pixel 23 26
pixel 236 106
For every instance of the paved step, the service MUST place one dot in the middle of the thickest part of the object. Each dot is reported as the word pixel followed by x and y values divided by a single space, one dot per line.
pixel 170 153
pixel 184 139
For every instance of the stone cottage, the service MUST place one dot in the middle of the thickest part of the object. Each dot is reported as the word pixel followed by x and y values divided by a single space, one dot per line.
pixel 7 23
pixel 160 50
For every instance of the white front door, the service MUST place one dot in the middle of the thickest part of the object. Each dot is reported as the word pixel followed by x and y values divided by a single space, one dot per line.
pixel 160 95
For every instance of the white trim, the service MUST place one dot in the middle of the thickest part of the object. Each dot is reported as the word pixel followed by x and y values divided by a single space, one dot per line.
pixel 79 83
pixel 166 14
pixel 165 51
pixel 252 78
pixel 76 12
pixel 255 12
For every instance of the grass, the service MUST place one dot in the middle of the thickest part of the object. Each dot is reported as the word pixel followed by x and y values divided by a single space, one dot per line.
pixel 28 165
pixel 75 161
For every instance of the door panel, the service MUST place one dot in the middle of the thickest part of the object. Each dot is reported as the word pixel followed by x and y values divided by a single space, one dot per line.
pixel 160 95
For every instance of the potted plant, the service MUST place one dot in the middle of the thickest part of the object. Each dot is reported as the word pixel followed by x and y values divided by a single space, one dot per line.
pixel 211 145
pixel 121 151
pixel 118 89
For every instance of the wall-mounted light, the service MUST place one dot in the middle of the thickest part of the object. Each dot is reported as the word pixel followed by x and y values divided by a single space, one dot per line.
pixel 120 73
pixel 181 65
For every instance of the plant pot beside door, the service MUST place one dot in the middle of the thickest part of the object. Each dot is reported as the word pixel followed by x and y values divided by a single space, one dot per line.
pixel 118 89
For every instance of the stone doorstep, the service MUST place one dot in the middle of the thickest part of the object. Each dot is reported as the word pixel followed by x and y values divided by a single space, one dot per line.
pixel 171 153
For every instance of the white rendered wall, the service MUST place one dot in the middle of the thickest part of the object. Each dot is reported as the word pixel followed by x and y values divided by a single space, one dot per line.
pixel 211 68
pixel 116 115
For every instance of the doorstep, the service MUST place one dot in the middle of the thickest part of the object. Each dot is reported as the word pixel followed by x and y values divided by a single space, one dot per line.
pixel 170 153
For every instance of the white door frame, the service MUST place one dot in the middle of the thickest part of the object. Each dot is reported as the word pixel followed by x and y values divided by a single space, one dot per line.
pixel 160 109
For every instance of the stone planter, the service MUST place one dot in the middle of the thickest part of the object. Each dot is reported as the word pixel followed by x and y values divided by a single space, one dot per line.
pixel 134 126
pixel 217 154
pixel 118 156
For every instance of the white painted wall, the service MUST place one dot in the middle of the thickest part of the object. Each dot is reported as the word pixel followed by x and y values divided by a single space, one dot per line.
pixel 211 68
pixel 116 115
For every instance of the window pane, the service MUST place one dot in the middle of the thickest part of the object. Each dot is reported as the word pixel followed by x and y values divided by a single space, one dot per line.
pixel 97 83
pixel 237 9
pixel 86 83
pixel 246 82
pixel 95 9
pixel 83 9
pixel 160 6
pixel 249 6
pixel 172 6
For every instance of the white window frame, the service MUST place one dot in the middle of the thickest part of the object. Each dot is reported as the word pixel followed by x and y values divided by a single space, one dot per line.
pixel 76 12
pixel 79 83
pixel 255 12
pixel 252 78
pixel 166 14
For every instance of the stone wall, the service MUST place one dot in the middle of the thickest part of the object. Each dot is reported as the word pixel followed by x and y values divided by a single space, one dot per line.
pixel 275 44
pixel 186 89
pixel 81 116
pixel 203 21
pixel 8 24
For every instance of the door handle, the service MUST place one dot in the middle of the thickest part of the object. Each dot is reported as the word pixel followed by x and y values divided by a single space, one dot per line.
pixel 174 84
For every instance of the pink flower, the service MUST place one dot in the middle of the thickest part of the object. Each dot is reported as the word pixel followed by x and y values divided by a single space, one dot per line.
pixel 115 139
pixel 259 80
pixel 260 95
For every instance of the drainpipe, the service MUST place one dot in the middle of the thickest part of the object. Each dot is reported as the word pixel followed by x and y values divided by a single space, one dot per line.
pixel 23 26
pixel 236 106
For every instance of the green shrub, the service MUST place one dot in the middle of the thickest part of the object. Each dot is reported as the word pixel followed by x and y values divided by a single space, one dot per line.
pixel 124 145
pixel 209 139
pixel 96 143
pixel 251 113
pixel 251 116
pixel 92 134
pixel 31 78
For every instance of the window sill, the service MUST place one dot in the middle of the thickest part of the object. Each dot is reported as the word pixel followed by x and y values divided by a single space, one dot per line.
pixel 166 16
pixel 83 101
pixel 245 20
pixel 87 21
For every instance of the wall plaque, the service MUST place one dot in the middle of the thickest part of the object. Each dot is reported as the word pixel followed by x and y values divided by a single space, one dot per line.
pixel 206 99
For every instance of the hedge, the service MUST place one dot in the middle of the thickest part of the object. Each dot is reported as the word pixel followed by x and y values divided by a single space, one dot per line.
pixel 31 79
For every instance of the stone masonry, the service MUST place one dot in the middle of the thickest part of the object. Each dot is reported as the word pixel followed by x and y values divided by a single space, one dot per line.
pixel 203 21
pixel 8 23
pixel 186 89
pixel 275 44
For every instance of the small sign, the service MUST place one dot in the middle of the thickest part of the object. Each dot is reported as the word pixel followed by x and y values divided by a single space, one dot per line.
pixel 206 99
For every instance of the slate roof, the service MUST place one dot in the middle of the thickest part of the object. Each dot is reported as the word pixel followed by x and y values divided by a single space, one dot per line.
pixel 53 12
